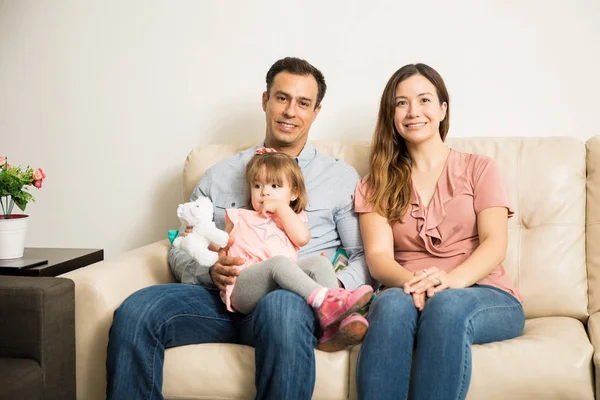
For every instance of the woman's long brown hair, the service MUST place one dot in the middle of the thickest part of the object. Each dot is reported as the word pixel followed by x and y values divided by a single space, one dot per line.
pixel 389 182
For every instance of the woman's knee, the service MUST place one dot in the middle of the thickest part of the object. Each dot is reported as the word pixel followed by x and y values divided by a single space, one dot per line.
pixel 392 315
pixel 482 314
pixel 447 306
pixel 393 303
pixel 454 305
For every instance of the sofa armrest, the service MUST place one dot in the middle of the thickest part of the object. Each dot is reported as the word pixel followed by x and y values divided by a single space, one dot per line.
pixel 99 289
pixel 594 333
pixel 37 316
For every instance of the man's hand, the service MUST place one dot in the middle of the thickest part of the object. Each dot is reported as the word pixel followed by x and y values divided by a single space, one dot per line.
pixel 225 270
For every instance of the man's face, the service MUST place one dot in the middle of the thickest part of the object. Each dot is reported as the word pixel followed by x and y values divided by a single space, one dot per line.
pixel 290 111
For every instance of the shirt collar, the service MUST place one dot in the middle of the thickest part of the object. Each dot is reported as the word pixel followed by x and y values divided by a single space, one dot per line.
pixel 306 155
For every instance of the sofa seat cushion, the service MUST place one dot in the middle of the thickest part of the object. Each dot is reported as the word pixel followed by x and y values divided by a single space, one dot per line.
pixel 21 378
pixel 551 360
pixel 226 371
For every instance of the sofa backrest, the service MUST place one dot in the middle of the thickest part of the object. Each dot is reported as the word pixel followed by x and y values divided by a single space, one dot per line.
pixel 546 179
pixel 592 234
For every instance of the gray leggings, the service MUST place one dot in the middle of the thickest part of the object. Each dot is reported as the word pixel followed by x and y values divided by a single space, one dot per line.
pixel 257 280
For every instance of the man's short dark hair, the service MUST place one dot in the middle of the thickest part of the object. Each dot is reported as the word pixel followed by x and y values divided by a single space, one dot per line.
pixel 297 66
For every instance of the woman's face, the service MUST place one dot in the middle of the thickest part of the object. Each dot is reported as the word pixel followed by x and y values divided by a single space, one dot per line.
pixel 418 111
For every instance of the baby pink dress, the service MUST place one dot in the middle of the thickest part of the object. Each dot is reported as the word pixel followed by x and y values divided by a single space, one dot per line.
pixel 444 234
pixel 256 239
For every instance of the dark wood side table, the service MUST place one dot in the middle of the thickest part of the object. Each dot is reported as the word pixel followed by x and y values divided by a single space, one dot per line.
pixel 60 261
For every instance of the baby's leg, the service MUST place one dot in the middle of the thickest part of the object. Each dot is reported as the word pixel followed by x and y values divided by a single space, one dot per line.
pixel 257 280
pixel 319 268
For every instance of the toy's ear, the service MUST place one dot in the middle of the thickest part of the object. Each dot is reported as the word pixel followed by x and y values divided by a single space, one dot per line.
pixel 180 210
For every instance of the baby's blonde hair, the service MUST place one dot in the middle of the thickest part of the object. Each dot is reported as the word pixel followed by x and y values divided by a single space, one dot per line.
pixel 277 166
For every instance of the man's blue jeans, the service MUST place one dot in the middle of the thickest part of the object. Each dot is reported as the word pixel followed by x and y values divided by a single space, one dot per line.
pixel 439 339
pixel 282 329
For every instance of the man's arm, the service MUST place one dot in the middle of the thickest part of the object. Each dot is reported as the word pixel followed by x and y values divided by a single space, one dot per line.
pixel 185 268
pixel 357 271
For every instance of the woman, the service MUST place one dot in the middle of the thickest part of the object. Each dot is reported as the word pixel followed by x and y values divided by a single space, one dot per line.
pixel 434 227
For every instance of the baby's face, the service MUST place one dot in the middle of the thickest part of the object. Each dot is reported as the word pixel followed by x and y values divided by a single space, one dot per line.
pixel 267 190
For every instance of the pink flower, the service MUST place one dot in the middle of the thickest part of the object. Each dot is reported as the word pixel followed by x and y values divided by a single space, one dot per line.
pixel 8 166
pixel 2 161
pixel 37 184
pixel 39 174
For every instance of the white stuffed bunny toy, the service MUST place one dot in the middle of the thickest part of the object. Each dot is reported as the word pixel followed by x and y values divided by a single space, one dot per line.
pixel 199 215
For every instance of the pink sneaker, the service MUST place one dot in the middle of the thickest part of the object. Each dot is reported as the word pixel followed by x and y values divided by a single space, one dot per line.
pixel 339 303
pixel 349 332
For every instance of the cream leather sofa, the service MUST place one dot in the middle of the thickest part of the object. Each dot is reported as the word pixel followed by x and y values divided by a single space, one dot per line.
pixel 547 259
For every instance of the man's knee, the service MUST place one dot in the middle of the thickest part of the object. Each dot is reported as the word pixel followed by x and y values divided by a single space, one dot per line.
pixel 284 313
pixel 281 305
pixel 132 314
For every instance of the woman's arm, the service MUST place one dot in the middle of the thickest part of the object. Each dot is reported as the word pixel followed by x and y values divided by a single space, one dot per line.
pixel 378 240
pixel 492 227
pixel 296 229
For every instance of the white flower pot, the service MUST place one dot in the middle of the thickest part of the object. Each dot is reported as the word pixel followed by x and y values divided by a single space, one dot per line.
pixel 12 236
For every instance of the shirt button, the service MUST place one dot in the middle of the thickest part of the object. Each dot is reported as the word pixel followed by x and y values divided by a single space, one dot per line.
pixel 232 204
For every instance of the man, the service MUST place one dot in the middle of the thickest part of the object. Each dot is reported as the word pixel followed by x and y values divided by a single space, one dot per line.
pixel 282 328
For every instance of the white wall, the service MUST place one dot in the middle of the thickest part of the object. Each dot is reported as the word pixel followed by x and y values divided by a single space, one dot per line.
pixel 110 96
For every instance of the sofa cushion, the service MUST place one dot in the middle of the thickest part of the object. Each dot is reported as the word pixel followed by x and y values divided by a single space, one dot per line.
pixel 593 222
pixel 226 371
pixel 553 359
pixel 21 378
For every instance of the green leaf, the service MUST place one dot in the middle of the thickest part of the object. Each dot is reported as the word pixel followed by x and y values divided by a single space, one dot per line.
pixel 22 204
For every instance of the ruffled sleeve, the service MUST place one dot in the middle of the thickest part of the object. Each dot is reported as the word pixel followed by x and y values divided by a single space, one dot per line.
pixel 489 189
pixel 233 215
pixel 361 204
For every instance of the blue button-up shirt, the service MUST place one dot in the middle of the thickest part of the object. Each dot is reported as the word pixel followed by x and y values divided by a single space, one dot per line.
pixel 332 222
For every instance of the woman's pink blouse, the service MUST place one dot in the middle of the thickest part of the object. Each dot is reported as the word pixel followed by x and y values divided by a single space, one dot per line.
pixel 444 234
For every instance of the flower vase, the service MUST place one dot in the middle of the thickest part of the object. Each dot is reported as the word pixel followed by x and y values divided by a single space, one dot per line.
pixel 12 235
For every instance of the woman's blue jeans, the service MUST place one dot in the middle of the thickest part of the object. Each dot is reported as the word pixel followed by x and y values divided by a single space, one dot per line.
pixel 431 350
pixel 282 329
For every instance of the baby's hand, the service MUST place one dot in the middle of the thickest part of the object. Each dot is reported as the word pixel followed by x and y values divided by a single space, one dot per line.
pixel 271 206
